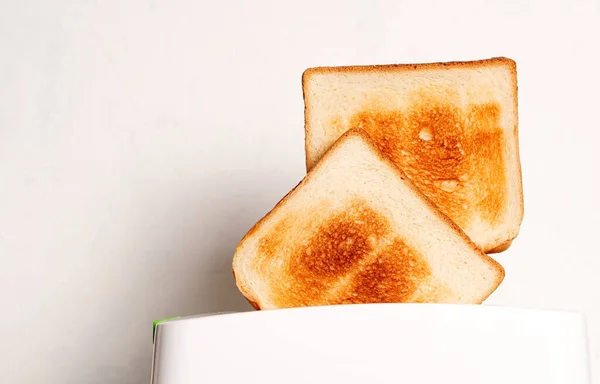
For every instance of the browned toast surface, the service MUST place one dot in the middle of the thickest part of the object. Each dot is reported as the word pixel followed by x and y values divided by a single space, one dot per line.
pixel 329 243
pixel 355 243
pixel 456 141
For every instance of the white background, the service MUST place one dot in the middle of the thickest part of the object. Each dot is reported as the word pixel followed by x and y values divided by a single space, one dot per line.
pixel 140 140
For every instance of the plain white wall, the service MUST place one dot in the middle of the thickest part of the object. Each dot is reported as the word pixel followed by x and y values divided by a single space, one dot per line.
pixel 140 140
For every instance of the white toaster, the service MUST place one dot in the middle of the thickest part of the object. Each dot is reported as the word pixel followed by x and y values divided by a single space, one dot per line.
pixel 374 343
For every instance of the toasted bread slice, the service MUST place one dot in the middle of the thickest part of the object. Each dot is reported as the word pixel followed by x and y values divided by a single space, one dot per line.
pixel 451 127
pixel 357 230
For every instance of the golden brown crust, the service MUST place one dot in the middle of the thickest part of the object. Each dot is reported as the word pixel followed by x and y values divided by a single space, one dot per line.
pixel 305 76
pixel 454 189
pixel 512 66
pixel 246 295
pixel 254 304
pixel 409 67
pixel 411 259
pixel 513 71
pixel 501 248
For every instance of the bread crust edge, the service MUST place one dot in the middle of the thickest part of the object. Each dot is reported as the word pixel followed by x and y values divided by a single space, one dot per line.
pixel 414 66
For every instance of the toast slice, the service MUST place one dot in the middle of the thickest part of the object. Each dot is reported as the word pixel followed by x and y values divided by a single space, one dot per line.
pixel 357 230
pixel 451 127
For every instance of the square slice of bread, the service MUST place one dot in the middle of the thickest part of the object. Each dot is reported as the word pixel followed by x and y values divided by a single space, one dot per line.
pixel 357 230
pixel 451 127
